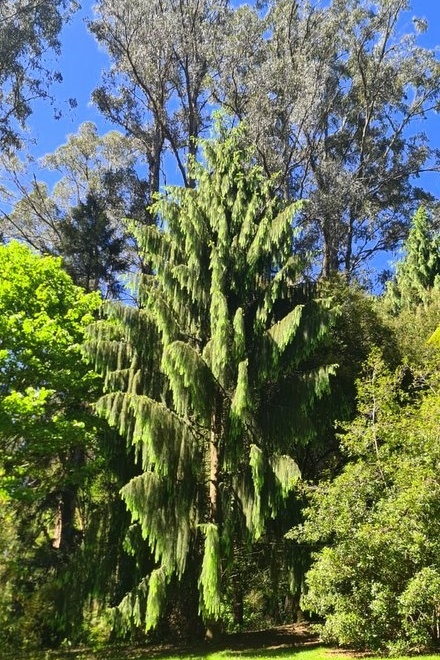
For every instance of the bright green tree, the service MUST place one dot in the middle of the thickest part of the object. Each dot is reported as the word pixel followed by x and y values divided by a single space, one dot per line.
pixel 49 441
pixel 43 316
pixel 212 378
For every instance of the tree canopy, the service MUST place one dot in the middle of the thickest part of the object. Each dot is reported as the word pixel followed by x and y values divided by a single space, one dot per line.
pixel 418 273
pixel 377 580
pixel 335 94
pixel 43 317
pixel 48 435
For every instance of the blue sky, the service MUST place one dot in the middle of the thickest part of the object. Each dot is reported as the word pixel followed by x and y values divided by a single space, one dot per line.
pixel 81 62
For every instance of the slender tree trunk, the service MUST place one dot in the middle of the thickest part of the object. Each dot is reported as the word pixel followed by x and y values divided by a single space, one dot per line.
pixel 66 533
pixel 238 602
pixel 213 627
pixel 68 509
pixel 330 261
pixel 274 604
pixel 349 244
pixel 214 461
pixel 155 161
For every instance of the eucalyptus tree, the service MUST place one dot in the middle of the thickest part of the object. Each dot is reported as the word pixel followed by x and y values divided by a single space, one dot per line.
pixel 28 30
pixel 156 88
pixel 213 378
pixel 108 166
pixel 335 95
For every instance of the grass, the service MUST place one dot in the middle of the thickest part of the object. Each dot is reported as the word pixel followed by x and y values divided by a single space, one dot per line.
pixel 319 653
pixel 293 642
pixel 271 653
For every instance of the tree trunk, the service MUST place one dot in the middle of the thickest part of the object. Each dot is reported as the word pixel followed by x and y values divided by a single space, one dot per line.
pixel 238 603
pixel 330 260
pixel 214 461
pixel 66 534
pixel 213 626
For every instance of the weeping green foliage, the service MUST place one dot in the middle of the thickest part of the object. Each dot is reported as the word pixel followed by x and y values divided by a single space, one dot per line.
pixel 132 607
pixel 209 582
pixel 168 528
pixel 156 597
pixel 283 331
pixel 241 399
pixel 286 472
pixel 252 506
pixel 212 378
pixel 190 377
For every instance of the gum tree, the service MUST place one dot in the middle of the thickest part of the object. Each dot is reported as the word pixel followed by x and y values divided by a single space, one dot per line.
pixel 336 94
pixel 79 219
pixel 156 91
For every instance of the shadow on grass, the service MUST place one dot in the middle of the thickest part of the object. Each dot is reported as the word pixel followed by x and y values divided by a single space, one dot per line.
pixel 282 642
pixel 183 653
pixel 116 653
pixel 285 652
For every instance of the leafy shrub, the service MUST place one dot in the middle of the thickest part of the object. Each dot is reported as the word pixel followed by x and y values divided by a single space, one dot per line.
pixel 419 606
pixel 376 579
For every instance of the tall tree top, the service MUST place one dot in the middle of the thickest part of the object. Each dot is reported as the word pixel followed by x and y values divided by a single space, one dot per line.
pixel 419 271
pixel 335 94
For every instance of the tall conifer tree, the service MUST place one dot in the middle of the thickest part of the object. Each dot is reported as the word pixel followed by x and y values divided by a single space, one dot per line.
pixel 212 377
pixel 93 251
pixel 419 271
